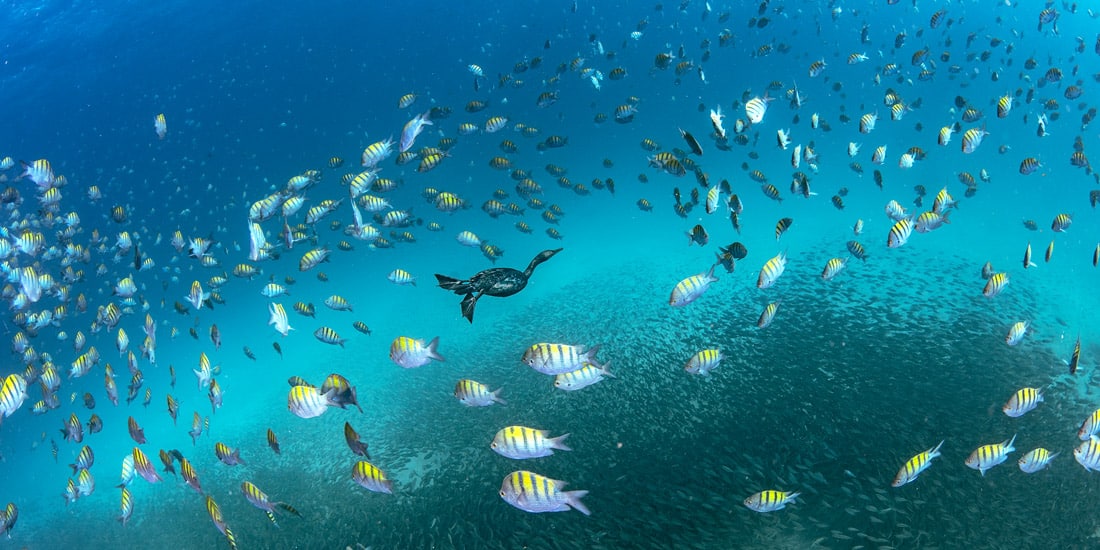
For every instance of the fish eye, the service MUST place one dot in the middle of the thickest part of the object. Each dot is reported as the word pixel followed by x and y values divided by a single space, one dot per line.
pixel 502 493
pixel 493 445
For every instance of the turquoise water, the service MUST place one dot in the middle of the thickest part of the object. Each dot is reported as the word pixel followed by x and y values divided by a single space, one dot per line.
pixel 855 375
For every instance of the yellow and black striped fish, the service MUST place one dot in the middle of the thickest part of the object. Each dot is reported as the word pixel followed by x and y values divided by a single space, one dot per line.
pixel 189 476
pixel 313 257
pixel 1022 402
pixel 12 394
pixel 972 138
pixel 781 227
pixel 328 336
pixel 307 402
pixel 771 271
pixel 273 441
pixel 143 467
pixel 899 233
pixel 371 478
pixel 535 493
pixel 767 316
pixel 914 466
pixel 1004 106
pixel 988 456
pixel 995 284
pixel 428 162
pixel 126 507
pixel 305 309
pixel 832 267
pixel 228 456
pixel 770 500
pixel 1061 223
pixel 219 522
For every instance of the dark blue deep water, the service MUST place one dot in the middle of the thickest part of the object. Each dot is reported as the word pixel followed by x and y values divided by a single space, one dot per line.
pixel 854 376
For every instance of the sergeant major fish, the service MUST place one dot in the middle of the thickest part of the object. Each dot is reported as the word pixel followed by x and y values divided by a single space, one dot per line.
pixel 584 377
pixel 704 361
pixel 475 394
pixel 988 456
pixel 914 466
pixel 1036 460
pixel 534 493
pixel 410 353
pixel 521 442
pixel 770 500
pixel 554 359
pixel 1023 401
pixel 771 271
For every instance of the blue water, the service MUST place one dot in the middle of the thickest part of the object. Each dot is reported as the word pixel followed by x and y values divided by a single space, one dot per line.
pixel 854 376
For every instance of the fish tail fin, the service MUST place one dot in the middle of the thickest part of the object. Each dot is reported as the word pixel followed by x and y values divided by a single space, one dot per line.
pixel 450 283
pixel 559 443
pixel 573 498
pixel 605 370
pixel 433 347
pixel 229 536
pixel 497 398
pixel 590 355
pixel 936 450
